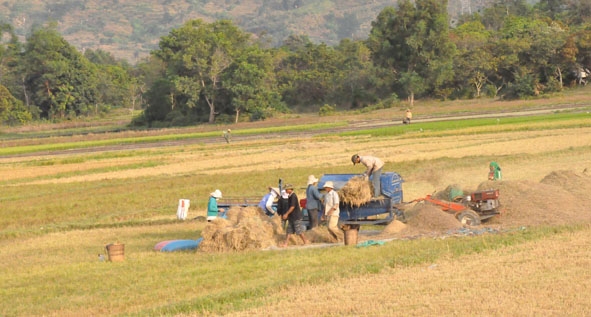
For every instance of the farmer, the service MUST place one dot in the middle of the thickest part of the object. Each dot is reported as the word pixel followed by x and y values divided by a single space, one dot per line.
pixel 313 197
pixel 228 135
pixel 374 170
pixel 266 204
pixel 332 211
pixel 494 171
pixel 293 215
pixel 212 205
pixel 407 117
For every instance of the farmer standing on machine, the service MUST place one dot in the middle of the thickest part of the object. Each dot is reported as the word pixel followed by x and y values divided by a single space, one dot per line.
pixel 374 170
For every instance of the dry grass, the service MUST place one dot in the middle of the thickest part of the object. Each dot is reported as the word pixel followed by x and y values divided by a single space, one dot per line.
pixel 258 156
pixel 545 277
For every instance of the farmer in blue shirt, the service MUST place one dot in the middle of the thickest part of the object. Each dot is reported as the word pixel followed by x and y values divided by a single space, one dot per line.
pixel 313 197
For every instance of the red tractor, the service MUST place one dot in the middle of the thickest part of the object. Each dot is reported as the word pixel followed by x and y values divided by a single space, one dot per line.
pixel 472 209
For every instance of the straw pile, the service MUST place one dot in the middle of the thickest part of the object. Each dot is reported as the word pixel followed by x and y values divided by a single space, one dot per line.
pixel 394 227
pixel 244 229
pixel 426 218
pixel 320 235
pixel 356 192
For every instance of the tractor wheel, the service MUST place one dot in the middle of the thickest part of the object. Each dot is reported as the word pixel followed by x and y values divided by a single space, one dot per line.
pixel 469 217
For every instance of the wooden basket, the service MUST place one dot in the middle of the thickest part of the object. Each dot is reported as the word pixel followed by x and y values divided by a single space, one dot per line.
pixel 116 252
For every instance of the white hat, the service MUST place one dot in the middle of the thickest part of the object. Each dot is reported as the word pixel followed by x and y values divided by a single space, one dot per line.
pixel 216 194
pixel 275 189
pixel 312 179
pixel 328 184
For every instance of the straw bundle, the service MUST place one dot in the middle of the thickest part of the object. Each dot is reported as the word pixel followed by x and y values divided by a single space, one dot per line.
pixel 356 192
pixel 245 229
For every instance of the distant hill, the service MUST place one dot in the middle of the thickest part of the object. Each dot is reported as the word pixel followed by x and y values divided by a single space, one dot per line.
pixel 131 29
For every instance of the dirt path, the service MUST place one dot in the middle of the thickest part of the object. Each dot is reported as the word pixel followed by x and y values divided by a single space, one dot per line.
pixel 352 126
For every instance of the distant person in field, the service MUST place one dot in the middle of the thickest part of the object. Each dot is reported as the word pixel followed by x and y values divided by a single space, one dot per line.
pixel 293 215
pixel 313 203
pixel 407 117
pixel 212 205
pixel 332 211
pixel 494 171
pixel 373 168
pixel 227 135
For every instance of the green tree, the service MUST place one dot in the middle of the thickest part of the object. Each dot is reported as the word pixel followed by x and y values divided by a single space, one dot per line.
pixel 474 63
pixel 527 52
pixel 413 42
pixel 357 82
pixel 160 99
pixel 61 81
pixel 582 38
pixel 12 111
pixel 576 12
pixel 251 83
pixel 119 84
pixel 554 9
pixel 493 17
pixel 196 56
pixel 307 75
pixel 10 62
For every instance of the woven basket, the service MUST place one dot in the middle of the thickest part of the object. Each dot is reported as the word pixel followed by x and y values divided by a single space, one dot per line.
pixel 116 252
pixel 351 237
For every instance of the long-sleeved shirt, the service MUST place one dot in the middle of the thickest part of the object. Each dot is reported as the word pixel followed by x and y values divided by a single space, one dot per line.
pixel 331 199
pixel 267 202
pixel 212 207
pixel 313 197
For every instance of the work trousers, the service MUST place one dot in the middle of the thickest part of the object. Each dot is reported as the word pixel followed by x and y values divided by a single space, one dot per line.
pixel 333 228
pixel 313 216
pixel 375 180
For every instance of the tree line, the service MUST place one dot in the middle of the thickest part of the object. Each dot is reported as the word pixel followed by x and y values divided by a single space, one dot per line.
pixel 215 72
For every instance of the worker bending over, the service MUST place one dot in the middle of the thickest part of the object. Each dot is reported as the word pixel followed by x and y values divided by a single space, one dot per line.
pixel 374 170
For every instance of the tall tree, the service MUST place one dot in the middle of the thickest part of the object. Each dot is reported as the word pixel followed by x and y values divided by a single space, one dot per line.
pixel 196 55
pixel 306 75
pixel 413 42
pixel 251 82
pixel 474 62
pixel 358 82
pixel 10 62
pixel 62 82
pixel 12 111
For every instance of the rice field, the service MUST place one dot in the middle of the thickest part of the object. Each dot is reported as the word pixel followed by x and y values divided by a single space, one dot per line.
pixel 60 209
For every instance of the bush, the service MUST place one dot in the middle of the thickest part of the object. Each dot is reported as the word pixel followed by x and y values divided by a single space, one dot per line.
pixel 552 85
pixel 139 121
pixel 260 114
pixel 327 110
pixel 522 88
pixel 177 119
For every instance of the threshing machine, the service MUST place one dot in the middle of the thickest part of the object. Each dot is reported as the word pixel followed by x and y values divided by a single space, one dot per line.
pixel 378 210
pixel 471 209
